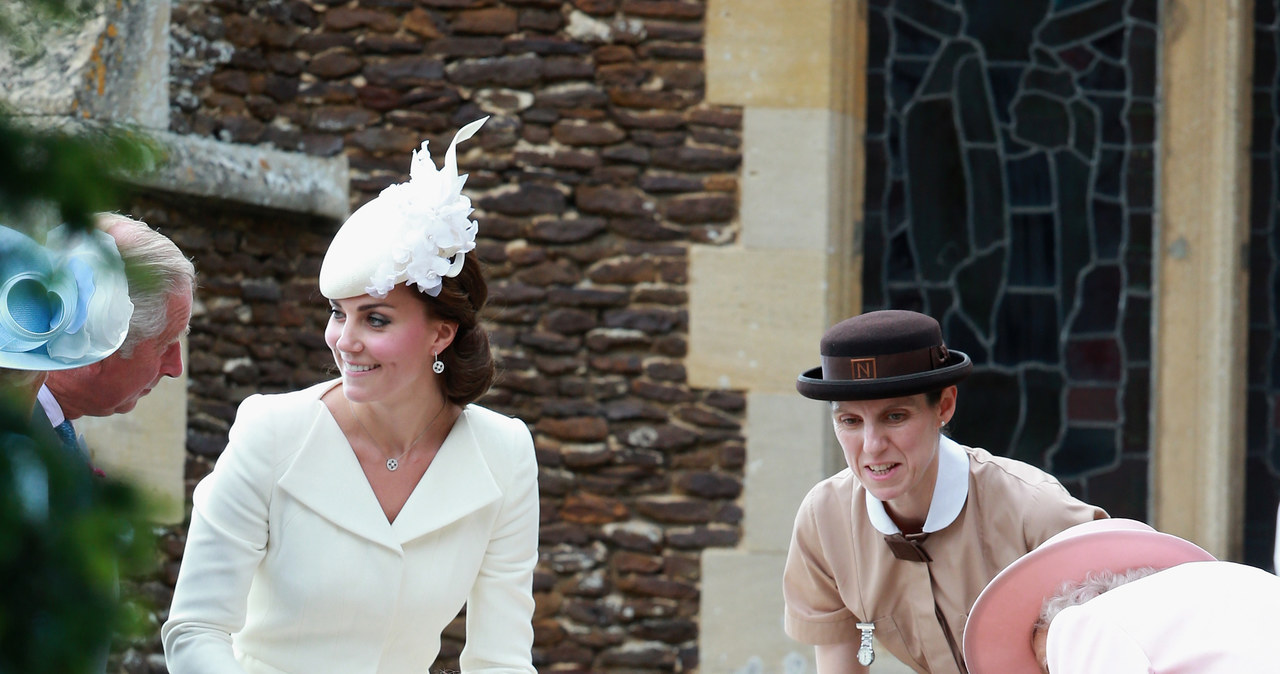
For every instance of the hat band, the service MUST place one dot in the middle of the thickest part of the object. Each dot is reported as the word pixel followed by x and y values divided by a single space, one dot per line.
pixel 883 367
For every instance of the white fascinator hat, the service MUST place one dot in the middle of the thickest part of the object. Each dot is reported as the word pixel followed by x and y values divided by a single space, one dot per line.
pixel 64 305
pixel 416 232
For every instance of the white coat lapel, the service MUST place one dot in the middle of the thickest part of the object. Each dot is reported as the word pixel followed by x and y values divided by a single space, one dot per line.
pixel 326 477
pixel 457 484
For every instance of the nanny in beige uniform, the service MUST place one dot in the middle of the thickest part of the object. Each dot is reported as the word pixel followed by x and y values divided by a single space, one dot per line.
pixel 899 545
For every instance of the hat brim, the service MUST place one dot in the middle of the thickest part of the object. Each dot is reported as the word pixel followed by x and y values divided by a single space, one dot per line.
pixel 997 635
pixel 812 385
pixel 40 362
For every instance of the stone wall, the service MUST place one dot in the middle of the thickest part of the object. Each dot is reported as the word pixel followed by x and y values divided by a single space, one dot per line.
pixel 599 166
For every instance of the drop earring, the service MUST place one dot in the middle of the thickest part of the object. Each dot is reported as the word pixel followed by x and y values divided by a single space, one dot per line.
pixel 438 365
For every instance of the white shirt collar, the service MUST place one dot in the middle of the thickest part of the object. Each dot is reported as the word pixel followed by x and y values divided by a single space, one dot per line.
pixel 949 492
pixel 50 406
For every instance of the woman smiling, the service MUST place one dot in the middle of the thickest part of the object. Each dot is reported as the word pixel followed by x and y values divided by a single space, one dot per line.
pixel 345 525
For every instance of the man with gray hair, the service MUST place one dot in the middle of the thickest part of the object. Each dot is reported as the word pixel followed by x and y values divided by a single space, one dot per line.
pixel 161 286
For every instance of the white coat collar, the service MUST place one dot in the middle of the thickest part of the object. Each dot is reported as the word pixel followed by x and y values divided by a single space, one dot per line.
pixel 326 477
pixel 949 492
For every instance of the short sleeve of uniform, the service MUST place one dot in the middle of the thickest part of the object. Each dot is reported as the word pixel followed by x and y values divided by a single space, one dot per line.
pixel 815 611
pixel 1052 510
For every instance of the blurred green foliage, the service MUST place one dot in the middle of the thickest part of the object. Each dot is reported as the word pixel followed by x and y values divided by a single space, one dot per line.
pixel 66 535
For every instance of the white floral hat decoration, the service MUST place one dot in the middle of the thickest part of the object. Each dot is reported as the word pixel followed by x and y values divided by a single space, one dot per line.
pixel 62 306
pixel 416 232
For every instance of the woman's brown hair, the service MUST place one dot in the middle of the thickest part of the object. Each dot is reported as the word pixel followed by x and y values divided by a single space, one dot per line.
pixel 469 369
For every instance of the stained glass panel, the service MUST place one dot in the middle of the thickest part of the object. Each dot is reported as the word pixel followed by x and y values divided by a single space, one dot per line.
pixel 1010 185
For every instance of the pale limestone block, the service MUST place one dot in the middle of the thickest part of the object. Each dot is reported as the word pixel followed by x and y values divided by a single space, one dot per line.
pixel 773 54
pixel 109 65
pixel 755 316
pixel 789 441
pixel 1200 345
pixel 147 446
pixel 786 177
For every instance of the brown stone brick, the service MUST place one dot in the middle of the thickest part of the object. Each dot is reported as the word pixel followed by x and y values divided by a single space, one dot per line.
pixel 341 118
pixel 672 631
pixel 560 159
pixel 622 74
pixel 616 364
pixel 486 21
pixel 575 132
pixel 566 230
pixel 587 508
pixel 525 199
pixel 651 320
pixel 626 153
pixel 672 51
pixel 243 31
pixel 665 393
pixel 720 183
pixel 700 208
pixel 673 509
pixel 549 341
pixel 346 18
pixel 702 416
pixel 729 401
pixel 405 71
pixel 629 409
pixel 334 63
pixel 557 68
pixel 547 632
pixel 452 4
pixel 571 95
pixel 558 272
pixel 607 339
pixel 664 9
pixel 545 21
pixel 627 270
pixel 634 535
pixel 612 201
pixel 465 47
pixel 420 22
pixel 674 31
pixel 232 81
pixel 657 586
pixel 625 561
pixel 710 484
pixel 399 142
pixel 428 99
pixel 382 99
pixel 680 76
pixel 383 43
pixel 506 71
pixel 697 159
pixel 706 136
pixel 721 116
pixel 699 537
pixel 658 100
pixel 569 321
pixel 597 7
pixel 661 437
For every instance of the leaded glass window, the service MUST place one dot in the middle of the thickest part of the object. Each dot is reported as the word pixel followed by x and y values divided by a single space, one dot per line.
pixel 1010 188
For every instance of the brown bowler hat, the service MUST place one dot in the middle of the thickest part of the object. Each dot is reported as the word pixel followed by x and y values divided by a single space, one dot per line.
pixel 883 354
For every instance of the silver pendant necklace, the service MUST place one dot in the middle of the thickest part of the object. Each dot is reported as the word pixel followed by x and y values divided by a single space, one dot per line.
pixel 394 463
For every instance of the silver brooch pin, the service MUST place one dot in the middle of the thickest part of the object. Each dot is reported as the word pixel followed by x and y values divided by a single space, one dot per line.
pixel 866 654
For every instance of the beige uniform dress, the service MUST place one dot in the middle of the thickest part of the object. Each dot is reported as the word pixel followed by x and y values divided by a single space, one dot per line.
pixel 986 512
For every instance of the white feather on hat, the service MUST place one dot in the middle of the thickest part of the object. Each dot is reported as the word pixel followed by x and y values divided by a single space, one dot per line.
pixel 415 232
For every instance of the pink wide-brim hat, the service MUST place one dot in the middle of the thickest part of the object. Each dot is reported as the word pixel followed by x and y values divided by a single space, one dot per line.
pixel 997 636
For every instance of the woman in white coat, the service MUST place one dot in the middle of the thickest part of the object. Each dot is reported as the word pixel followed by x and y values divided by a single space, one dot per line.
pixel 346 524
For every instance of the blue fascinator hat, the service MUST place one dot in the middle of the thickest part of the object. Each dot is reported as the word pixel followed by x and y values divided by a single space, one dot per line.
pixel 63 306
